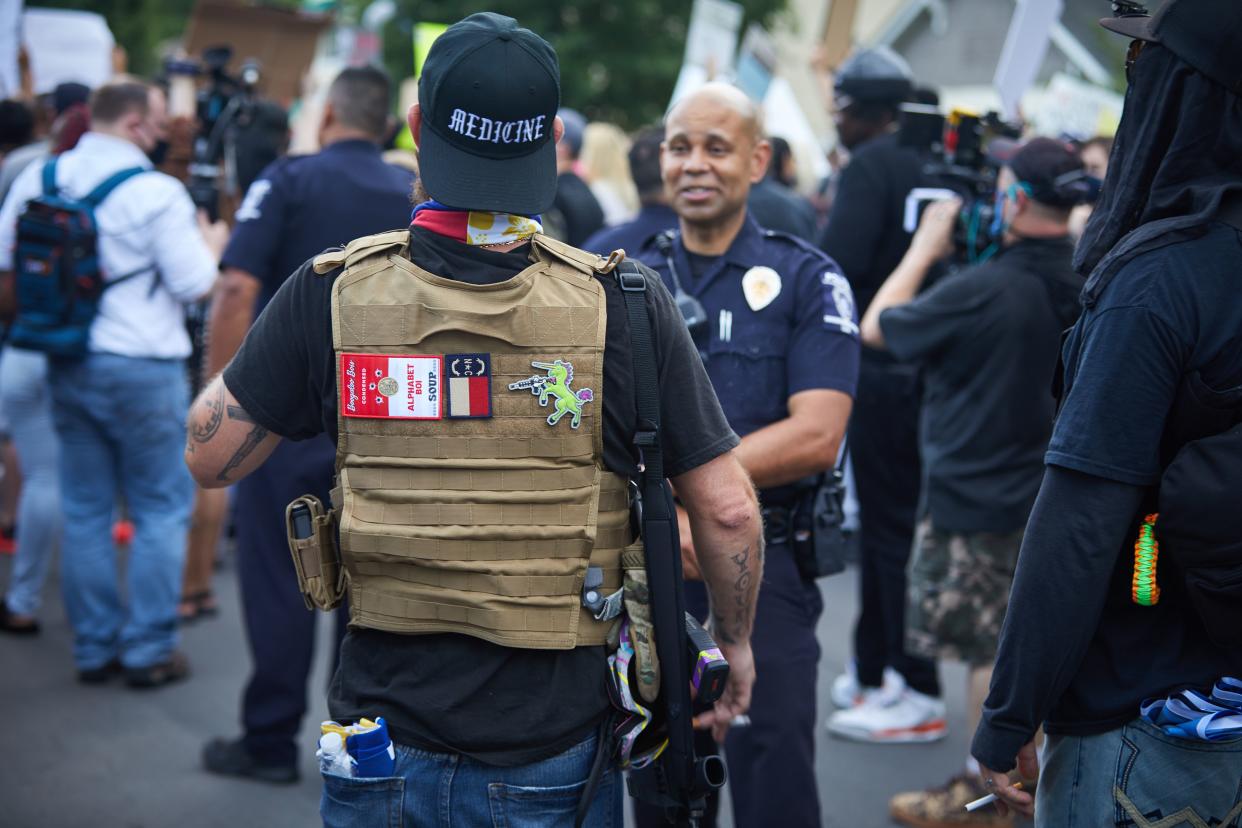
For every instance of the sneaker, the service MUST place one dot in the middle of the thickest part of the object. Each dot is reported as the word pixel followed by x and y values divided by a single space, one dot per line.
pixel 910 716
pixel 847 692
pixel 176 668
pixel 945 807
pixel 101 674
pixel 229 757
pixel 14 624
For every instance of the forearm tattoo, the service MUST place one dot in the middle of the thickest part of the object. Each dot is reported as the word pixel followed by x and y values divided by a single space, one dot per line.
pixel 255 436
pixel 734 613
pixel 203 430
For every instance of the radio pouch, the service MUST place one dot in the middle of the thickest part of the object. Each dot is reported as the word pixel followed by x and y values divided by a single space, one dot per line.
pixel 316 557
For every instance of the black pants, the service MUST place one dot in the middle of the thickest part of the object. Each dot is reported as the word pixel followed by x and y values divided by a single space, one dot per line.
pixel 280 630
pixel 772 760
pixel 884 449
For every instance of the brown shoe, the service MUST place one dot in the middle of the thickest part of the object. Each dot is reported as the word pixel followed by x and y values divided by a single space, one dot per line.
pixel 176 668
pixel 945 807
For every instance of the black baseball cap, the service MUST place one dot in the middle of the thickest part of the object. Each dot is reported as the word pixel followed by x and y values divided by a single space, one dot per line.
pixel 1204 33
pixel 489 94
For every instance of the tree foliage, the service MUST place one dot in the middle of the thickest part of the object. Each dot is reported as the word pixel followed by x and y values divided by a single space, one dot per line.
pixel 619 58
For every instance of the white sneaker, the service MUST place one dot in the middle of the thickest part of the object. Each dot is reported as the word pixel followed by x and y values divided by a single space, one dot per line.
pixel 847 692
pixel 910 716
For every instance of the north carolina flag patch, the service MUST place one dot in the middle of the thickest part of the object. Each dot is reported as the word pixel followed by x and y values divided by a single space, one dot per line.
pixel 469 384
pixel 392 387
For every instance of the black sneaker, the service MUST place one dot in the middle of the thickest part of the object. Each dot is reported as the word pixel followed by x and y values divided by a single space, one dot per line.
pixel 229 757
pixel 9 623
pixel 176 668
pixel 100 675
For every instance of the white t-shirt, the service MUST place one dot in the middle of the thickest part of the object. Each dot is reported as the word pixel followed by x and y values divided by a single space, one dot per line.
pixel 148 221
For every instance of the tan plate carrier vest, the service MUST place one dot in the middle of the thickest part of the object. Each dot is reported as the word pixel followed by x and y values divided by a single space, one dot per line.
pixel 480 526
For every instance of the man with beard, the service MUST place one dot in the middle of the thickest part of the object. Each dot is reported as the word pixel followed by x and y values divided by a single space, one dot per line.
pixel 1122 632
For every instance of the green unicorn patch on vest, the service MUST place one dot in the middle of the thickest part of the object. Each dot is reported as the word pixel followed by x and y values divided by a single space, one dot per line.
pixel 554 386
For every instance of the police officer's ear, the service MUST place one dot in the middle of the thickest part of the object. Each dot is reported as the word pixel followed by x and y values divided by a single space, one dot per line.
pixel 760 157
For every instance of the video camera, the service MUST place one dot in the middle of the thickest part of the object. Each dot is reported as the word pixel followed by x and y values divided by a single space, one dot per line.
pixel 224 106
pixel 959 164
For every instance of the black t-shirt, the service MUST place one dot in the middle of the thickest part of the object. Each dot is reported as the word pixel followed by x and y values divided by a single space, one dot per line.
pixel 575 213
pixel 774 206
pixel 449 692
pixel 987 340
pixel 1076 650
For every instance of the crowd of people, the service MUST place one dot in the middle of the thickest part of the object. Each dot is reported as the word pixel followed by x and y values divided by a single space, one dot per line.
pixel 999 463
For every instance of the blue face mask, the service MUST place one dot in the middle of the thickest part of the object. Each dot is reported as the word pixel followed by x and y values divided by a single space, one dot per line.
pixel 998 226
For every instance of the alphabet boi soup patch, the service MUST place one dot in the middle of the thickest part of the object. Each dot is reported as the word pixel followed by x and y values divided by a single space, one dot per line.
pixel 392 387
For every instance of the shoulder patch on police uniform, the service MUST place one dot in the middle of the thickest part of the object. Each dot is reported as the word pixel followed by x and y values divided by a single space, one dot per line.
pixel 838 302
pixel 468 385
pixel 386 386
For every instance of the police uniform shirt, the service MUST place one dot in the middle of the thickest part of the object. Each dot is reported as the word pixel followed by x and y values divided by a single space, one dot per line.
pixel 780 320
pixel 631 235
pixel 448 692
pixel 302 204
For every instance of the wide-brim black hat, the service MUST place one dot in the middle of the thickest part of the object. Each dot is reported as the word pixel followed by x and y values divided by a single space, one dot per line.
pixel 1207 34
pixel 489 93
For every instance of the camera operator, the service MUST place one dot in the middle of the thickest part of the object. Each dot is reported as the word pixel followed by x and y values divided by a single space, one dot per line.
pixel 866 238
pixel 986 341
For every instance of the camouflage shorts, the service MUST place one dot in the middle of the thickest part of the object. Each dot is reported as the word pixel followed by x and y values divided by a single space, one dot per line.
pixel 958 592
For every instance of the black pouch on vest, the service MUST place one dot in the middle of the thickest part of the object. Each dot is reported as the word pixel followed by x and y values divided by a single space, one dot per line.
pixel 1198 530
pixel 819 539
pixel 316 558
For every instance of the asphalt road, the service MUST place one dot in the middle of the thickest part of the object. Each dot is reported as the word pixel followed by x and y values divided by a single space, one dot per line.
pixel 108 756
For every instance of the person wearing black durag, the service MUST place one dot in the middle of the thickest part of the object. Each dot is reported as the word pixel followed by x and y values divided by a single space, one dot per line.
pixel 1124 631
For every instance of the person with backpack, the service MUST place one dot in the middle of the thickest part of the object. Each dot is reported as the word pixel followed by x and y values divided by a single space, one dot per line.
pixel 99 254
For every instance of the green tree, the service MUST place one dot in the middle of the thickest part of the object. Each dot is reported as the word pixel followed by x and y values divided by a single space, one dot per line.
pixel 619 58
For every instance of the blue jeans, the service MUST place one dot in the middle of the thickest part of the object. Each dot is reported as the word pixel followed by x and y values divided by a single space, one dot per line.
pixel 121 422
pixel 1136 776
pixel 439 790
pixel 26 399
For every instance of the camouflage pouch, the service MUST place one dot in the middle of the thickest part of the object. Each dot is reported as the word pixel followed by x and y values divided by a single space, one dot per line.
pixel 312 542
pixel 642 630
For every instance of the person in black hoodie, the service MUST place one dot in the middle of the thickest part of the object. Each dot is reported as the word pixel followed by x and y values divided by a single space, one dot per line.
pixel 985 340
pixel 1116 630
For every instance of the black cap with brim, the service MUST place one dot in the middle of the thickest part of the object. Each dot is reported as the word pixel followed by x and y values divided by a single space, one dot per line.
pixel 489 93
pixel 1204 33
pixel 457 179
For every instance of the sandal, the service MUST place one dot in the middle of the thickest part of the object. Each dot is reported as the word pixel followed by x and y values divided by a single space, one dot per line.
pixel 197 605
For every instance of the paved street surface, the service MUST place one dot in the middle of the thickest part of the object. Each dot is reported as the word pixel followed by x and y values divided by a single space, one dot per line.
pixel 116 758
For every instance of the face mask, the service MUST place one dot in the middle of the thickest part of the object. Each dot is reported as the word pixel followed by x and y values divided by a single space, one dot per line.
pixel 158 152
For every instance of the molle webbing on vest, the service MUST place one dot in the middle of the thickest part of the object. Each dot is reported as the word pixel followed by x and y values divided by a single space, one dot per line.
pixel 482 526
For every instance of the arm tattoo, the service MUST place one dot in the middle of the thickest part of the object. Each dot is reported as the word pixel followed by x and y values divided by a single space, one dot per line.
pixel 732 621
pixel 201 432
pixel 253 438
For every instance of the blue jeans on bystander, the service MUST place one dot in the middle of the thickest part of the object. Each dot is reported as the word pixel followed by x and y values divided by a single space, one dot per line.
pixel 121 422
pixel 444 790
pixel 1138 776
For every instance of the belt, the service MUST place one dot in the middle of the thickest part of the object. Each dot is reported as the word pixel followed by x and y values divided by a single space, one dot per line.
pixel 777 523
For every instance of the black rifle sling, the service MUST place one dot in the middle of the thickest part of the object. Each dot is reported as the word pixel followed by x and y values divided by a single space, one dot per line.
pixel 675 771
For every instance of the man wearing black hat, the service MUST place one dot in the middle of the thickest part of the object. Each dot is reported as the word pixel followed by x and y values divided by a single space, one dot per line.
pixel 864 235
pixel 985 340
pixel 478 380
pixel 1122 635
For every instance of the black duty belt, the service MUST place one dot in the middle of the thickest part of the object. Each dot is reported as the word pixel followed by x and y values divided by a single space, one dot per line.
pixel 777 523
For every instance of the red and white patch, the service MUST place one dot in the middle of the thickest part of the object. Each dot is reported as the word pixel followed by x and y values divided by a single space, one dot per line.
pixel 392 387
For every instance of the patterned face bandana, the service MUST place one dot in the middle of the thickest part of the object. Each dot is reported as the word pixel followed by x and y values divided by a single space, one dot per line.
pixel 475 228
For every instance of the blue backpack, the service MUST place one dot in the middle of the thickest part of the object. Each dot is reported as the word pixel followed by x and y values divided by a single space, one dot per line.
pixel 58 281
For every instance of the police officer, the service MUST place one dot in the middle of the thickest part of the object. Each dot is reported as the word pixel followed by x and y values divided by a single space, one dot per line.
pixel 1122 634
pixel 864 236
pixel 294 209
pixel 774 322
pixel 478 380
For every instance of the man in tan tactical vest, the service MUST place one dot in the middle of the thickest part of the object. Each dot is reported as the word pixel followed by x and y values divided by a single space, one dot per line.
pixel 479 381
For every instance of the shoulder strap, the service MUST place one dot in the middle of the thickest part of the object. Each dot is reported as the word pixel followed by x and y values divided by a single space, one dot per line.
pixel 359 249
pixel 96 196
pixel 587 263
pixel 49 176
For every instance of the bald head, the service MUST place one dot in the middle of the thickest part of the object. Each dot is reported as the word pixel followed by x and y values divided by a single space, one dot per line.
pixel 713 151
pixel 722 96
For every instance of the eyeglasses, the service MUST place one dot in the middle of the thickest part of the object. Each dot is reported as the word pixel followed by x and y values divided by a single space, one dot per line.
pixel 1132 55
